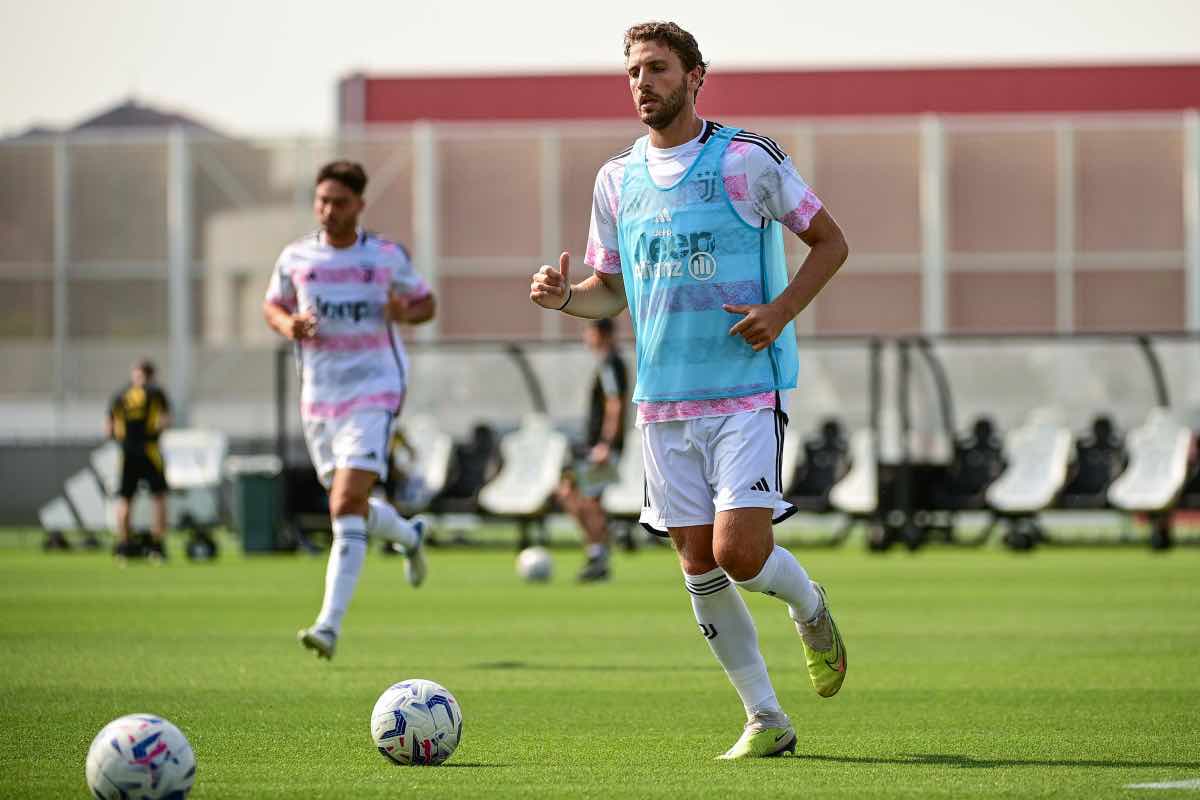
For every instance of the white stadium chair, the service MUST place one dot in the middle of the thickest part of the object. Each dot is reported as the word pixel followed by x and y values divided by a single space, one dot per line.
pixel 429 468
pixel 88 499
pixel 857 494
pixel 82 510
pixel 534 456
pixel 193 460
pixel 624 498
pixel 1158 460
pixel 58 516
pixel 1038 455
pixel 106 461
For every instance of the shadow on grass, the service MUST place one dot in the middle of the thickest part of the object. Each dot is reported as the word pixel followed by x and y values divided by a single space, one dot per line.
pixel 969 762
pixel 517 665
pixel 657 669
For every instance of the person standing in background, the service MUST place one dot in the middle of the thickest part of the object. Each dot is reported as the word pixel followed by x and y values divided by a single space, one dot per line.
pixel 137 415
pixel 583 484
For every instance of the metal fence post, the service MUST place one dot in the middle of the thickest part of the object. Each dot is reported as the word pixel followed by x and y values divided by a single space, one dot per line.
pixel 804 159
pixel 1191 214
pixel 426 208
pixel 179 272
pixel 551 219
pixel 933 225
pixel 62 256
pixel 1064 227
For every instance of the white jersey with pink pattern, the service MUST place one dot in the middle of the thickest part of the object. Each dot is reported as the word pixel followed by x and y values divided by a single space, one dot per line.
pixel 763 185
pixel 356 360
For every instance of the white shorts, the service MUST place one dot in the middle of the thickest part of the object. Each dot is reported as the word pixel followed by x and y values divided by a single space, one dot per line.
pixel 358 440
pixel 696 468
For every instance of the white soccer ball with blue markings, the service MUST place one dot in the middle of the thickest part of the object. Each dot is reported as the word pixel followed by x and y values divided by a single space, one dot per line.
pixel 416 722
pixel 140 757
pixel 534 564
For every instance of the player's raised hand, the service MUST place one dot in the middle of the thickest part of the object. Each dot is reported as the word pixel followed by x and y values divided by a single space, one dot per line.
pixel 550 286
pixel 304 326
pixel 760 326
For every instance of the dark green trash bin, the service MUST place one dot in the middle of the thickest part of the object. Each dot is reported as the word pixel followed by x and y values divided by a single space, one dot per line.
pixel 257 501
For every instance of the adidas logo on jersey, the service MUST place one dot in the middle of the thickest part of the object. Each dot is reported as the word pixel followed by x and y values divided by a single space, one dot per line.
pixel 761 486
pixel 663 217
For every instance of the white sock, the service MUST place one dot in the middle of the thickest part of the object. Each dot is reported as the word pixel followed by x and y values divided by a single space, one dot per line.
pixel 597 551
pixel 346 556
pixel 783 577
pixel 385 522
pixel 727 625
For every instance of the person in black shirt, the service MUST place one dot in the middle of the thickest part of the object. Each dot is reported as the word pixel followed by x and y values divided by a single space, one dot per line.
pixel 583 484
pixel 139 412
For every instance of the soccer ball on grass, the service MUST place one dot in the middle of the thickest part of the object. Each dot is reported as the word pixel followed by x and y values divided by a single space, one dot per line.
pixel 140 756
pixel 535 564
pixel 416 722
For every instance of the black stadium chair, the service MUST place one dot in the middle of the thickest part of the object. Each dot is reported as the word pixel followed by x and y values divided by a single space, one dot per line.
pixel 826 461
pixel 978 461
pixel 1100 458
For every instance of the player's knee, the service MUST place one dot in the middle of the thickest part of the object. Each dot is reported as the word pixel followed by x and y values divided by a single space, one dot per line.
pixel 740 562
pixel 566 496
pixel 696 561
pixel 344 503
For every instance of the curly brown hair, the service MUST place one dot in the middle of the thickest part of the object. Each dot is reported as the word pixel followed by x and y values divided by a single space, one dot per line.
pixel 680 41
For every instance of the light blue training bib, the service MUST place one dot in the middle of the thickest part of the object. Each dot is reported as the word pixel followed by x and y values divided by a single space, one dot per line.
pixel 685 252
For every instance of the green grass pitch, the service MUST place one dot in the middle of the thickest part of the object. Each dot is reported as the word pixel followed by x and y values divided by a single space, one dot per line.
pixel 1065 673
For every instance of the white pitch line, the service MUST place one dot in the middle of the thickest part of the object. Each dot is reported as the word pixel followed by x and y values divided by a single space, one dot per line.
pixel 1194 783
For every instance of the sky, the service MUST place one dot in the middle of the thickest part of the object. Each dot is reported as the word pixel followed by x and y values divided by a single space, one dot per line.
pixel 271 68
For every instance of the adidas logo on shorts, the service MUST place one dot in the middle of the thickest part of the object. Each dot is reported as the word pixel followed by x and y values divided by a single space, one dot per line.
pixel 761 486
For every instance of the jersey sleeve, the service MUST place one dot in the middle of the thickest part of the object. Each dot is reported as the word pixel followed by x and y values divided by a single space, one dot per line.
pixel 610 382
pixel 405 281
pixel 160 397
pixel 603 253
pixel 779 193
pixel 281 291
pixel 613 380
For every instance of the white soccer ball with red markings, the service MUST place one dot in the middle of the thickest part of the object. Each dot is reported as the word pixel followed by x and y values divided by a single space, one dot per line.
pixel 140 757
pixel 416 722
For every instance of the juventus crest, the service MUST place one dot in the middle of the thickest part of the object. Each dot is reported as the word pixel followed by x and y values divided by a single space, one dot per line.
pixel 702 188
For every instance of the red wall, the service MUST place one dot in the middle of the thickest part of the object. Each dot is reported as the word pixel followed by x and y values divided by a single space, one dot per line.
pixel 759 94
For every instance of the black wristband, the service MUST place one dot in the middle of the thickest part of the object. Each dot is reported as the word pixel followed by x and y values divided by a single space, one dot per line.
pixel 570 292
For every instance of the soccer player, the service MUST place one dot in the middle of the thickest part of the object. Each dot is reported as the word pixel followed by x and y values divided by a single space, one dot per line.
pixel 686 232
pixel 137 416
pixel 583 484
pixel 339 293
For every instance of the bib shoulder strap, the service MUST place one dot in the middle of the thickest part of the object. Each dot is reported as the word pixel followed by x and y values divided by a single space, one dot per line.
pixel 714 149
pixel 639 148
pixel 726 132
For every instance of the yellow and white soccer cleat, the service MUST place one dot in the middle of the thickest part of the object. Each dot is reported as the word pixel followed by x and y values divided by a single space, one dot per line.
pixel 824 649
pixel 765 736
